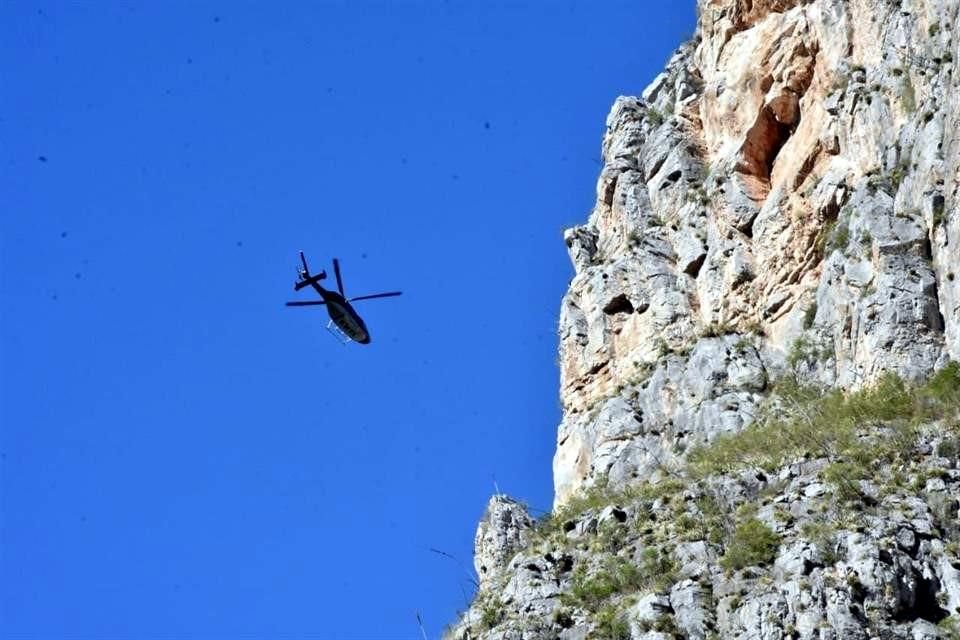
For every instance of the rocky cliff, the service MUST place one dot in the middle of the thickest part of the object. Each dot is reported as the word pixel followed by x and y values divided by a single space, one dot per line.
pixel 760 430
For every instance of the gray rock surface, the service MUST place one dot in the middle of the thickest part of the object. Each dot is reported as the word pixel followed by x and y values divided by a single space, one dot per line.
pixel 779 204
pixel 502 531
pixel 801 187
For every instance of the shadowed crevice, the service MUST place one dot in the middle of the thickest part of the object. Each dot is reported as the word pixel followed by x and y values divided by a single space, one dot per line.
pixel 619 304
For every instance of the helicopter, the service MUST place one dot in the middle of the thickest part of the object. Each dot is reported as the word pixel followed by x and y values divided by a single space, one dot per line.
pixel 342 315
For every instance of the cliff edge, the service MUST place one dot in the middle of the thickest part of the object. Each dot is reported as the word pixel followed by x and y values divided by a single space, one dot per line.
pixel 760 430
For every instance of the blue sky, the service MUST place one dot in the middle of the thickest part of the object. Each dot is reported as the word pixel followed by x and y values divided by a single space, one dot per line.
pixel 181 455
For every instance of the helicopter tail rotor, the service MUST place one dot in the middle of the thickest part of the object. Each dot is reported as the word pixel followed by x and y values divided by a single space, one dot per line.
pixel 304 278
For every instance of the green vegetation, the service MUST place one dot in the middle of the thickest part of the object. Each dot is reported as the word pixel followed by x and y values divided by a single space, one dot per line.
pixel 610 625
pixel 809 314
pixel 869 434
pixel 805 351
pixel 562 618
pixel 663 624
pixel 618 575
pixel 944 386
pixel 907 94
pixel 601 495
pixel 654 117
pixel 611 536
pixel 949 447
pixel 698 195
pixel 744 344
pixel 950 628
pixel 755 327
pixel 662 347
pixel 821 244
pixel 717 329
pixel 840 237
pixel 845 476
pixel 491 611
pixel 823 535
pixel 834 236
pixel 898 173
pixel 709 523
pixel 657 569
pixel 753 543
pixel 933 29
pixel 938 208
pixel 809 422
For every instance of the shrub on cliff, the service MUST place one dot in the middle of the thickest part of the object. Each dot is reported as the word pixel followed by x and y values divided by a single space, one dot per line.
pixel 753 543
pixel 808 421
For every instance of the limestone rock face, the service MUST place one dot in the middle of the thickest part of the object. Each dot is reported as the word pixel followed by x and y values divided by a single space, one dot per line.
pixel 791 175
pixel 501 533
pixel 779 204
pixel 640 430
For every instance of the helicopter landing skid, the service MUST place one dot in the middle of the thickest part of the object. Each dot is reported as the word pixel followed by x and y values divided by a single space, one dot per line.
pixel 338 333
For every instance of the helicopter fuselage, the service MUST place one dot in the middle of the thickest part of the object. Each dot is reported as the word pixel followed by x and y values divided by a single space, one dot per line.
pixel 344 316
pixel 349 323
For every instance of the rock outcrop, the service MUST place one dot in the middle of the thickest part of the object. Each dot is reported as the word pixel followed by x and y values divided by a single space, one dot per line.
pixel 503 530
pixel 779 204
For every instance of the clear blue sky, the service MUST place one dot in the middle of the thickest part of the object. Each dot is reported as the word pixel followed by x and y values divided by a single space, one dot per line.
pixel 181 455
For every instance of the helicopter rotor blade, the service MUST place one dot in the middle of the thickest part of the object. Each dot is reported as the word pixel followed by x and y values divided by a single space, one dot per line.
pixel 305 303
pixel 388 294
pixel 336 269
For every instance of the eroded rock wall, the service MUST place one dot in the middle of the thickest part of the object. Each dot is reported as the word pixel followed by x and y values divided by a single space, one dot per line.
pixel 791 174
pixel 779 204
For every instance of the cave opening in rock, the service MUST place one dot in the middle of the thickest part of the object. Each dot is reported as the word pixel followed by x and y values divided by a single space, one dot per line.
pixel 925 606
pixel 768 139
pixel 693 269
pixel 671 179
pixel 775 123
pixel 619 304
